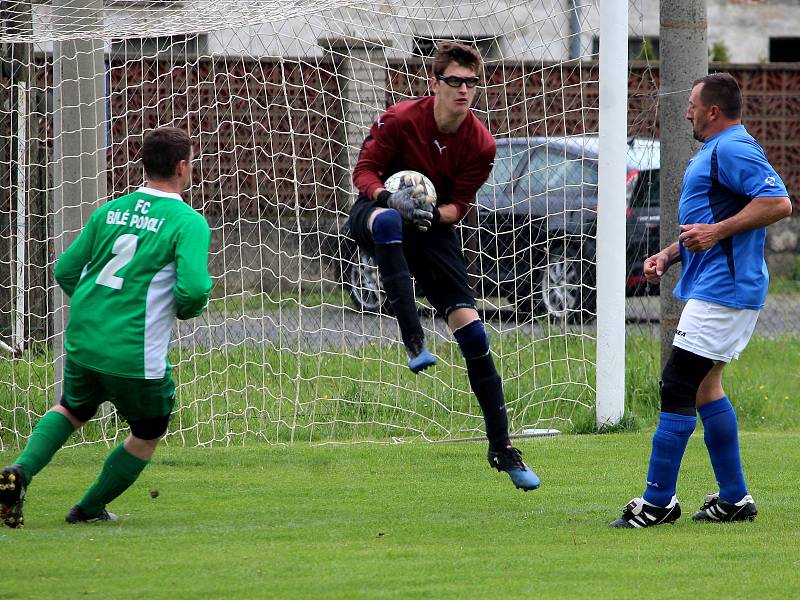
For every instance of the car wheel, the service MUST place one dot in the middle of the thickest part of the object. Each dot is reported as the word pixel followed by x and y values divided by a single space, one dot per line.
pixel 360 278
pixel 568 290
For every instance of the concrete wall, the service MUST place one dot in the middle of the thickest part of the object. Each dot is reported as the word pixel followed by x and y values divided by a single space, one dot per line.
pixel 536 30
pixel 745 26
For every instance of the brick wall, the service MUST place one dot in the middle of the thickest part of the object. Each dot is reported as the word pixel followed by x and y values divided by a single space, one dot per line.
pixel 532 99
pixel 270 133
pixel 271 147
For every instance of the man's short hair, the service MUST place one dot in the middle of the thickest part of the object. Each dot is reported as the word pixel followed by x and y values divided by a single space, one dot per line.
pixel 458 52
pixel 163 149
pixel 721 89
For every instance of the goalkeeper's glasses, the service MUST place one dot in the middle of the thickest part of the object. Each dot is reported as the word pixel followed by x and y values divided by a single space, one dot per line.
pixel 455 82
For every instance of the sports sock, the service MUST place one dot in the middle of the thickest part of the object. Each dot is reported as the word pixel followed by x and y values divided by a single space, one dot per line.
pixel 120 470
pixel 722 440
pixel 50 433
pixel 388 235
pixel 669 444
pixel 485 381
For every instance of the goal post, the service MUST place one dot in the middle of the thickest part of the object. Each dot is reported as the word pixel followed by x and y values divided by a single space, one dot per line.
pixel 611 238
pixel 297 344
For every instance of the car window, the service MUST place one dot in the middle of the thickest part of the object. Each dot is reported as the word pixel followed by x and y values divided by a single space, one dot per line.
pixel 534 182
pixel 648 190
pixel 550 169
pixel 501 171
pixel 506 158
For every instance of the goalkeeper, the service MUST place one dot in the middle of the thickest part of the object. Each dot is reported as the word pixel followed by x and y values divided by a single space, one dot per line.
pixel 140 261
pixel 439 137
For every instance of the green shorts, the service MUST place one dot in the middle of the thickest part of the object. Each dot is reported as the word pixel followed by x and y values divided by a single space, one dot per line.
pixel 145 404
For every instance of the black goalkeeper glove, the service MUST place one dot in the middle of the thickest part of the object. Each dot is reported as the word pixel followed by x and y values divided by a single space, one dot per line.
pixel 411 204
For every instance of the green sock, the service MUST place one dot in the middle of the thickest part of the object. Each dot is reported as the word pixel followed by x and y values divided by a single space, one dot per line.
pixel 50 433
pixel 120 470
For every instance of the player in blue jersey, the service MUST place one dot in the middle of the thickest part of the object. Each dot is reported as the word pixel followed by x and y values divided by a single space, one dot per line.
pixel 730 194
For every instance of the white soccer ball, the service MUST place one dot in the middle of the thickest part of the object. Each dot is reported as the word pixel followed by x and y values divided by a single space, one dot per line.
pixel 423 187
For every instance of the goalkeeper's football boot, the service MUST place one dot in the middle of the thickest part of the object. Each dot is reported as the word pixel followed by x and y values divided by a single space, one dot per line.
pixel 509 459
pixel 638 513
pixel 419 357
pixel 76 515
pixel 12 495
pixel 716 510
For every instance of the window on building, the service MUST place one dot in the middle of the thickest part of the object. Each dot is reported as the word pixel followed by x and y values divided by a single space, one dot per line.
pixel 488 46
pixel 182 45
pixel 784 49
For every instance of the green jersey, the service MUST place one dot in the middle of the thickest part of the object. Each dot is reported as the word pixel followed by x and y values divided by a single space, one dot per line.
pixel 141 261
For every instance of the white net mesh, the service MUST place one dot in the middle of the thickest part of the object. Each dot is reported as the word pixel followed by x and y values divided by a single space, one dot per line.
pixel 278 96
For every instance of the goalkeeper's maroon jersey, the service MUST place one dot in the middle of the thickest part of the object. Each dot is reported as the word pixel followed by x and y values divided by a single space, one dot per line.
pixel 406 137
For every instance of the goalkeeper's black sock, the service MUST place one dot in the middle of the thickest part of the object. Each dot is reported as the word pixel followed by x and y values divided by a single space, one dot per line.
pixel 485 381
pixel 387 230
pixel 488 388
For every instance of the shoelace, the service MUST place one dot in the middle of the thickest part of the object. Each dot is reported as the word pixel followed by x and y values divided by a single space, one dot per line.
pixel 515 457
pixel 709 504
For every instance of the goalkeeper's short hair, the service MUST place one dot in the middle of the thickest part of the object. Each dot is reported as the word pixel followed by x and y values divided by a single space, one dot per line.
pixel 458 52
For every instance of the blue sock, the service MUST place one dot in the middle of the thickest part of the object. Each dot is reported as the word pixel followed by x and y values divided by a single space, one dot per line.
pixel 722 440
pixel 669 444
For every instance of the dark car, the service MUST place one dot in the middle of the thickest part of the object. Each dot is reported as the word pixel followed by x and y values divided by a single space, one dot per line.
pixel 532 239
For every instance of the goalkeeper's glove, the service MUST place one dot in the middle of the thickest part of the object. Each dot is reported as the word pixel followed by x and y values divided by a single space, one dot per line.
pixel 410 202
pixel 428 218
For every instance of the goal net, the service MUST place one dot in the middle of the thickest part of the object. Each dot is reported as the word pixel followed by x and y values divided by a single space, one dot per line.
pixel 297 344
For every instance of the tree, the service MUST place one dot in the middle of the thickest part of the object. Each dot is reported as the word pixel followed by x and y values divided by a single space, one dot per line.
pixel 719 52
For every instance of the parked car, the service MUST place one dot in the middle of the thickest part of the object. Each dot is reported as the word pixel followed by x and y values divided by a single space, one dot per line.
pixel 533 241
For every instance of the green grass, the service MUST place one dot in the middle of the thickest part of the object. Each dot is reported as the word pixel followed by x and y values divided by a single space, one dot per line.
pixel 786 285
pixel 247 393
pixel 409 521
pixel 763 384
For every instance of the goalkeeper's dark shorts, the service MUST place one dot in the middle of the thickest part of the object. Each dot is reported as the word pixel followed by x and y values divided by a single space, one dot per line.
pixel 145 404
pixel 434 258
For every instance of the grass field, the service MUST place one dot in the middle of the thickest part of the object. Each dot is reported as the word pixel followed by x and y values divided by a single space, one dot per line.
pixel 249 393
pixel 409 521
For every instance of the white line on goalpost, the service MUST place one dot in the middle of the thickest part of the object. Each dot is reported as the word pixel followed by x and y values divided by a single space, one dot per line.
pixel 610 372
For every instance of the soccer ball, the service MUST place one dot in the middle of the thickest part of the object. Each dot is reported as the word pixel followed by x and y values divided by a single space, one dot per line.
pixel 423 187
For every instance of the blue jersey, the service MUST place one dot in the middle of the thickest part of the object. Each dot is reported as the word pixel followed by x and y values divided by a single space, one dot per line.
pixel 729 171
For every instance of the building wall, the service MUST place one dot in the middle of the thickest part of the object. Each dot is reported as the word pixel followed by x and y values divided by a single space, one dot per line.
pixel 744 26
pixel 537 30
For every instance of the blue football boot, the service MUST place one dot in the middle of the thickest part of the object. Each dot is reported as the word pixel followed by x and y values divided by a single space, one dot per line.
pixel 510 460
pixel 421 361
pixel 419 357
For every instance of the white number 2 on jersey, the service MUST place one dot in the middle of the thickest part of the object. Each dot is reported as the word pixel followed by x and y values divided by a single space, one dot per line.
pixel 124 249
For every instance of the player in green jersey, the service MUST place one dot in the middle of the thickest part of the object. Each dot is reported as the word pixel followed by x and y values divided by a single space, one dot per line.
pixel 140 262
